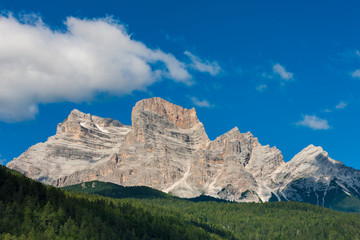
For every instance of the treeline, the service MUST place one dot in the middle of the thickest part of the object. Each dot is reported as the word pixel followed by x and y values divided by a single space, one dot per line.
pixel 277 220
pixel 280 220
pixel 31 210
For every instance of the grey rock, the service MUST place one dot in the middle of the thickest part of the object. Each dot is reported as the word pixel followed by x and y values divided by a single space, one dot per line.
pixel 167 148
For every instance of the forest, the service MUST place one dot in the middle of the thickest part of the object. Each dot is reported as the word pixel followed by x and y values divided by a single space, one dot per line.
pixel 31 210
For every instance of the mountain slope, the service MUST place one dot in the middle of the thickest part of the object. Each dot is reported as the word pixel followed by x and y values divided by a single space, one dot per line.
pixel 167 148
pixel 283 220
pixel 313 177
pixel 31 210
pixel 117 191
pixel 138 192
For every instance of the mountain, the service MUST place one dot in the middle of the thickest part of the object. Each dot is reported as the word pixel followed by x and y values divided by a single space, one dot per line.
pixel 311 176
pixel 112 190
pixel 32 210
pixel 167 148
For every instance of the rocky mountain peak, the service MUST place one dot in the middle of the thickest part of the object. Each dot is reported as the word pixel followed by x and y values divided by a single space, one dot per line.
pixel 179 116
pixel 313 148
pixel 233 132
pixel 313 154
pixel 72 124
pixel 167 148
pixel 76 115
pixel 78 123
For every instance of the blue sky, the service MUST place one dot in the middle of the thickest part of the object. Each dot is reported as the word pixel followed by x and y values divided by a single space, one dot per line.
pixel 285 70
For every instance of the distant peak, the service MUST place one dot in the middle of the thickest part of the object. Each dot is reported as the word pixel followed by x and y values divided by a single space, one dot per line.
pixel 157 102
pixel 78 115
pixel 181 117
pixel 312 147
pixel 233 131
pixel 75 111
pixel 313 154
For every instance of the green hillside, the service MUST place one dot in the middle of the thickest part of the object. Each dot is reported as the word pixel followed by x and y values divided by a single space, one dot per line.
pixel 112 190
pixel 277 220
pixel 336 200
pixel 31 210
pixel 116 191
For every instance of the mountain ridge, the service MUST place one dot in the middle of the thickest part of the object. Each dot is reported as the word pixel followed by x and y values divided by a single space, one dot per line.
pixel 167 148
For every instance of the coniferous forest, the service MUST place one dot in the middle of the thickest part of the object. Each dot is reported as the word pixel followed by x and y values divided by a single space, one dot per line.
pixel 31 210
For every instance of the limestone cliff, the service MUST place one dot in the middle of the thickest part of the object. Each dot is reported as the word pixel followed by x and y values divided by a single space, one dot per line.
pixel 167 148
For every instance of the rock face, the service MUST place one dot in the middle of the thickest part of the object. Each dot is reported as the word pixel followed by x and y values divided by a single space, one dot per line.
pixel 311 176
pixel 167 148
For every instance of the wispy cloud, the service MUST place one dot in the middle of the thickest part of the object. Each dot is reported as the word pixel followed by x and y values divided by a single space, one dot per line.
pixel 200 103
pixel 341 105
pixel 174 39
pixel 261 88
pixel 265 75
pixel 314 123
pixel 200 65
pixel 282 72
pixel 41 65
pixel 356 73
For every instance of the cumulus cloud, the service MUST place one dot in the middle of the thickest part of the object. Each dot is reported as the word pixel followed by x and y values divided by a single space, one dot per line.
pixel 314 123
pixel 203 65
pixel 261 88
pixel 356 74
pixel 281 71
pixel 200 103
pixel 341 105
pixel 42 65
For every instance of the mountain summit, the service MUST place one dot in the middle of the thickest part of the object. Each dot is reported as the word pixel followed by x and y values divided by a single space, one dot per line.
pixel 167 148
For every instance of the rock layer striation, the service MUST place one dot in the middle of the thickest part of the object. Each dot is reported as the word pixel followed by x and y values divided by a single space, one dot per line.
pixel 167 148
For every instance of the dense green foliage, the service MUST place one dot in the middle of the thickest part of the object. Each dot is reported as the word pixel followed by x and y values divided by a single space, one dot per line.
pixel 277 220
pixel 116 191
pixel 280 220
pixel 31 210
pixel 112 190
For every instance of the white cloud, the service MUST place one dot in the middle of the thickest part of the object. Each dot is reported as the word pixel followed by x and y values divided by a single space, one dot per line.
pixel 266 75
pixel 200 103
pixel 281 71
pixel 341 105
pixel 203 66
pixel 261 87
pixel 314 123
pixel 41 65
pixel 356 74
